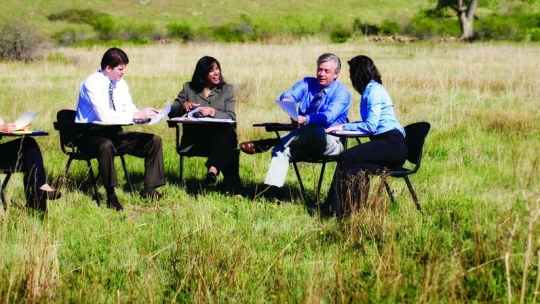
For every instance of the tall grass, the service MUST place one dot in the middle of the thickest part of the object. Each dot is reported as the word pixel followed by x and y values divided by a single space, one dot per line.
pixel 477 241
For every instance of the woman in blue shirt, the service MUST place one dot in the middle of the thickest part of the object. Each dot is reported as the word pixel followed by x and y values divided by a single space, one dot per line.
pixel 386 148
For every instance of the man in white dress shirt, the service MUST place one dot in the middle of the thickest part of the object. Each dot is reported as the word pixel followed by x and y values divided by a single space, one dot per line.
pixel 104 97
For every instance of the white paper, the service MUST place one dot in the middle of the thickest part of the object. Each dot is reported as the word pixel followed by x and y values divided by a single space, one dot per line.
pixel 190 113
pixel 160 116
pixel 25 119
pixel 289 107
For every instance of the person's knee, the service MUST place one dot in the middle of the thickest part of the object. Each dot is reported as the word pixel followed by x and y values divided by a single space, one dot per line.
pixel 106 147
pixel 29 143
pixel 156 141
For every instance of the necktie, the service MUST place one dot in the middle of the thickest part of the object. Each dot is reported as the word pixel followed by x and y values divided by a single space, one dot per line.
pixel 314 106
pixel 111 98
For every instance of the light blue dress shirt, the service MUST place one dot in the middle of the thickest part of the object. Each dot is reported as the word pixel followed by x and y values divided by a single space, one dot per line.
pixel 377 112
pixel 333 107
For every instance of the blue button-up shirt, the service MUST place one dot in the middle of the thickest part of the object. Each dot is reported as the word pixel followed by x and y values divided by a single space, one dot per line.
pixel 377 112
pixel 333 107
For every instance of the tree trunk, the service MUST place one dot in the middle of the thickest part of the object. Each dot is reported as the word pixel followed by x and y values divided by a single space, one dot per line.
pixel 466 17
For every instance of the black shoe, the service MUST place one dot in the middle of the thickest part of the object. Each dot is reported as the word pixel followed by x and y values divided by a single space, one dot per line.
pixel 232 185
pixel 210 179
pixel 272 194
pixel 152 195
pixel 114 203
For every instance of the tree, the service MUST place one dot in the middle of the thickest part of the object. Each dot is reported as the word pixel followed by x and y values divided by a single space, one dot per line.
pixel 465 12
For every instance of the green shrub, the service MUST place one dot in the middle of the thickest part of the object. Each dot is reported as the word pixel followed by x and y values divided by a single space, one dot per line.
pixel 180 30
pixel 228 33
pixel 104 26
pixel 365 28
pixel 19 41
pixel 535 34
pixel 390 27
pixel 140 33
pixel 339 35
pixel 236 32
pixel 69 36
pixel 298 26
pixel 497 27
pixel 429 23
pixel 74 15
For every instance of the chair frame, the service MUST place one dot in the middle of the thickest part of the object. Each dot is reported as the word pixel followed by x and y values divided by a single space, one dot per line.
pixel 8 173
pixel 317 160
pixel 183 155
pixel 70 148
pixel 414 156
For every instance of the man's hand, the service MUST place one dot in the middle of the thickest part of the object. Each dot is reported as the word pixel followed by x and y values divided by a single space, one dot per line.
pixel 334 128
pixel 301 120
pixel 7 128
pixel 188 106
pixel 145 114
pixel 207 111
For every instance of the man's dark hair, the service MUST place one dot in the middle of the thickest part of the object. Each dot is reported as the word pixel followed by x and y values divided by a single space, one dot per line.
pixel 114 57
pixel 200 76
pixel 362 70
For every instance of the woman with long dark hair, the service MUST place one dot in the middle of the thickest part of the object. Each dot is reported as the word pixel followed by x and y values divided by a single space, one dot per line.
pixel 213 97
pixel 386 148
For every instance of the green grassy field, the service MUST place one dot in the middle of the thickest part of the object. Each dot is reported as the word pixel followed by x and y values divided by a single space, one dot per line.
pixel 278 13
pixel 477 241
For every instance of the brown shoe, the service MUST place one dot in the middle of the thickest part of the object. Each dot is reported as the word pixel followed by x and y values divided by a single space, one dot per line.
pixel 258 146
pixel 114 203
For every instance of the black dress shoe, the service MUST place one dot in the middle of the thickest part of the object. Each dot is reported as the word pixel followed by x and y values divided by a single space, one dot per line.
pixel 210 179
pixel 114 203
pixel 153 195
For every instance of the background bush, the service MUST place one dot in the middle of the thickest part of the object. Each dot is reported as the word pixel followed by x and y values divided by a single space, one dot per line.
pixel 19 41
pixel 340 35
pixel 428 24
pixel 180 31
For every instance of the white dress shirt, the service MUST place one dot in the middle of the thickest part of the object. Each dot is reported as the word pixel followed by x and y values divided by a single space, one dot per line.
pixel 94 103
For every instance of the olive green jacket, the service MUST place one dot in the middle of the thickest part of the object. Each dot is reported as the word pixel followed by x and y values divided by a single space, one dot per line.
pixel 221 99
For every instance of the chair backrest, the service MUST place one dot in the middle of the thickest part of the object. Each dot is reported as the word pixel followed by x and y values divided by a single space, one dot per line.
pixel 68 129
pixel 415 137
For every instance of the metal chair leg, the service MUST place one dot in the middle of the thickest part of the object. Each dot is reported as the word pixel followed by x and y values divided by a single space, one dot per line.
pixel 182 183
pixel 413 194
pixel 320 182
pixel 4 184
pixel 389 191
pixel 302 190
pixel 94 182
pixel 126 173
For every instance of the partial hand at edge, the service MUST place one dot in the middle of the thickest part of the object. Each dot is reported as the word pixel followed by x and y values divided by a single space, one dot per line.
pixel 7 128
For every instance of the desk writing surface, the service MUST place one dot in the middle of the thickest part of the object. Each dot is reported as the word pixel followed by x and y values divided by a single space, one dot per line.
pixel 189 120
pixel 346 133
pixel 25 133
pixel 276 126
pixel 106 124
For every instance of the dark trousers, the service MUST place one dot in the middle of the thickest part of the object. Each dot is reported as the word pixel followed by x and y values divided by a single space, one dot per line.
pixel 24 155
pixel 219 142
pixel 350 185
pixel 105 144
